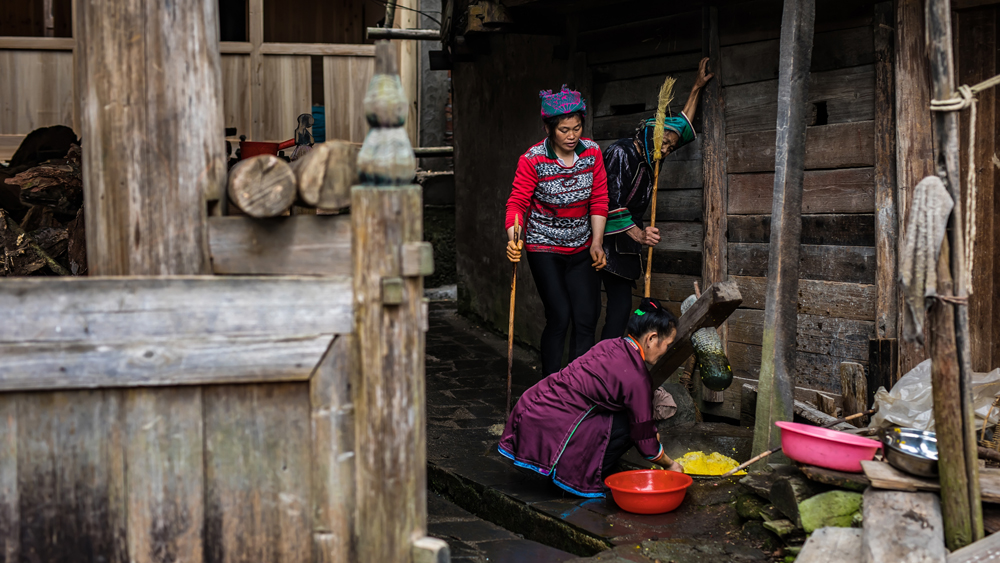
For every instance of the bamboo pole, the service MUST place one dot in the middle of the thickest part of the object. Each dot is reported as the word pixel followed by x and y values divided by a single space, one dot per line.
pixel 652 223
pixel 951 367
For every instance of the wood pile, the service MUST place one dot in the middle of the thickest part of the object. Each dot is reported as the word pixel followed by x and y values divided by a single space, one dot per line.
pixel 321 178
pixel 42 230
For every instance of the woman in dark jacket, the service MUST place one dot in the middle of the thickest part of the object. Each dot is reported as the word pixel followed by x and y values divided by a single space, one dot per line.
pixel 574 425
pixel 629 166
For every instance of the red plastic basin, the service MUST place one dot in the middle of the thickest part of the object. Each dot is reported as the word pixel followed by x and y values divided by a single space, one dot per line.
pixel 648 491
pixel 824 447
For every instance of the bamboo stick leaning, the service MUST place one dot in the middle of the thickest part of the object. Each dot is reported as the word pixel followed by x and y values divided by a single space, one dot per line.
pixel 510 324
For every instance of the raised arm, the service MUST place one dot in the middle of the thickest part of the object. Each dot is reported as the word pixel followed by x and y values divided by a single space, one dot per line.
pixel 703 77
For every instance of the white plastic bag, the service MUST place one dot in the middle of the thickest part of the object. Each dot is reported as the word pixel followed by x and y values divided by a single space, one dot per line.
pixel 910 404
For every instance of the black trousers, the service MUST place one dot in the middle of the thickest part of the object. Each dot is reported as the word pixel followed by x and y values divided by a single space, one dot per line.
pixel 570 291
pixel 619 292
pixel 619 442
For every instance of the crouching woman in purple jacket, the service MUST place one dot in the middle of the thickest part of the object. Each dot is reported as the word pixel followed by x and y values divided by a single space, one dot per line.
pixel 575 424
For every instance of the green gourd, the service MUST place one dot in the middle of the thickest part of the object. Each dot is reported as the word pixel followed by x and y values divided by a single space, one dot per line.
pixel 709 356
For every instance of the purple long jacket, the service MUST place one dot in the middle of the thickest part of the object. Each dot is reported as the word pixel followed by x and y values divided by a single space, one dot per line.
pixel 561 426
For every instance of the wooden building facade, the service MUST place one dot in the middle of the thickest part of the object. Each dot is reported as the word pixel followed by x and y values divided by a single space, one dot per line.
pixel 868 97
pixel 278 59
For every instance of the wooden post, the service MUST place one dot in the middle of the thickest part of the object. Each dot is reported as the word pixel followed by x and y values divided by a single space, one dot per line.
pixel 885 174
pixel 716 190
pixel 152 117
pixel 255 24
pixel 390 442
pixel 948 324
pixel 914 147
pixel 777 371
pixel 854 388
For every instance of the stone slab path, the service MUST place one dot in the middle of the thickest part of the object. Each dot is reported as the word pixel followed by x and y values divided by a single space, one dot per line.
pixel 466 379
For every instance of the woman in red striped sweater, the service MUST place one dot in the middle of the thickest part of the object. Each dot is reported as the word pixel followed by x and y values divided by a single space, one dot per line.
pixel 560 193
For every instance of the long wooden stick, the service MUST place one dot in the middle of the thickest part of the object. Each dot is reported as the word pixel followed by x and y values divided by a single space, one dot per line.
pixel 652 223
pixel 510 324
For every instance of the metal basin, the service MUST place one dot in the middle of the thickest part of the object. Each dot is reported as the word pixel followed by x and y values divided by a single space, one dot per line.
pixel 911 450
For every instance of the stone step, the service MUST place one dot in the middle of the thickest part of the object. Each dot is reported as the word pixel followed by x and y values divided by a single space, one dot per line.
pixel 832 545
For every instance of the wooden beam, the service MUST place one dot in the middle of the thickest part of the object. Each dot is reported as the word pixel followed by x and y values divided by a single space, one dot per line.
pixel 389 397
pixel 255 23
pixel 714 267
pixel 322 49
pixel 777 370
pixel 38 43
pixel 710 310
pixel 333 450
pixel 914 136
pixel 152 113
pixel 127 332
pixel 948 324
pixel 235 47
pixel 298 245
pixel 886 229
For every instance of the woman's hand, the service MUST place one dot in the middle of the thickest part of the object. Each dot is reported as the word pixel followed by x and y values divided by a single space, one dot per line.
pixel 514 250
pixel 703 75
pixel 650 236
pixel 597 255
pixel 674 466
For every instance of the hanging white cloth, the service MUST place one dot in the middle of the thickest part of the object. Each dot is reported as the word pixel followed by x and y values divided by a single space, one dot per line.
pixel 925 230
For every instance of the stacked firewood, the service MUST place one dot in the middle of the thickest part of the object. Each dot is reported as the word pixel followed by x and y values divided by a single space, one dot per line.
pixel 41 213
pixel 321 178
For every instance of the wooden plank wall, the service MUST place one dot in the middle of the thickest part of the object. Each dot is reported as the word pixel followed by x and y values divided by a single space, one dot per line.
pixel 976 56
pixel 628 60
pixel 36 90
pixel 627 74
pixel 838 257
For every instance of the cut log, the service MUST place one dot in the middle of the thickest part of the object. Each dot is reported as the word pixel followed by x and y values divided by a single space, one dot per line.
pixel 854 387
pixel 326 173
pixel 832 545
pixel 827 404
pixel 902 527
pixel 262 186
pixel 787 493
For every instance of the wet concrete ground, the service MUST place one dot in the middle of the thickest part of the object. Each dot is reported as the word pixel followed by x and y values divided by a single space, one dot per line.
pixel 466 379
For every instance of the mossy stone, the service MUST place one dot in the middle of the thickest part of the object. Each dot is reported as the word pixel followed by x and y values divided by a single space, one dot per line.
pixel 832 508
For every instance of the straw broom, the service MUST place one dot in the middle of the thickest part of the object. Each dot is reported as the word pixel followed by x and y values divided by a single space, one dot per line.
pixel 662 101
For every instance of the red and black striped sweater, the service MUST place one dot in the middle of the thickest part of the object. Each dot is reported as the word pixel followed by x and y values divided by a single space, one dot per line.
pixel 559 199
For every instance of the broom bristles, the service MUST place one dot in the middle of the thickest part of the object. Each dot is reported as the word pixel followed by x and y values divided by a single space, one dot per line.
pixel 662 101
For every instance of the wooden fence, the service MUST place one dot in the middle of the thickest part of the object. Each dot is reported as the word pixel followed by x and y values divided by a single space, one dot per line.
pixel 214 418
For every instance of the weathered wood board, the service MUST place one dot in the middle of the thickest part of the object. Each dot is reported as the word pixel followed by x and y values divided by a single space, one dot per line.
pixel 678 205
pixel 841 145
pixel 814 371
pixel 88 332
pixel 345 81
pixel 36 90
pixel 235 101
pixel 852 264
pixel 296 245
pixel 831 299
pixel 257 467
pixel 837 96
pixel 855 229
pixel 843 338
pixel 849 190
pixel 758 61
pixel 287 93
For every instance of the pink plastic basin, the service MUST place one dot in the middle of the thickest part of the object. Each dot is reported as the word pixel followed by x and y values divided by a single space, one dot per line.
pixel 648 491
pixel 824 447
